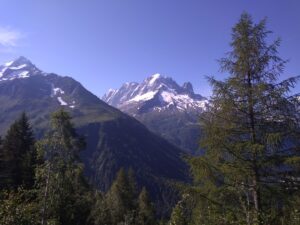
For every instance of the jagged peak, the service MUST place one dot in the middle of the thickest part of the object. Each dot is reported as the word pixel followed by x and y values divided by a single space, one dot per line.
pixel 21 67
pixel 151 80
pixel 156 81
pixel 154 78
pixel 156 91
pixel 188 87
pixel 21 60
pixel 111 90
pixel 127 84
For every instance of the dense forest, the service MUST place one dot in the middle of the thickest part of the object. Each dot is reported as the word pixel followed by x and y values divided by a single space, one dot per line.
pixel 248 174
pixel 42 181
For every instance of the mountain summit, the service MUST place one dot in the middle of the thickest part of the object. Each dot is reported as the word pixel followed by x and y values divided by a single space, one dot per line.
pixel 19 68
pixel 156 93
pixel 164 106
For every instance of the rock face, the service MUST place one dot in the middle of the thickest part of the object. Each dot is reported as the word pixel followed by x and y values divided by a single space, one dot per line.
pixel 114 139
pixel 20 68
pixel 165 107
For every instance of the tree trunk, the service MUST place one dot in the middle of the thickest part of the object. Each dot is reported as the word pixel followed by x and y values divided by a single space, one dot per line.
pixel 45 197
pixel 255 178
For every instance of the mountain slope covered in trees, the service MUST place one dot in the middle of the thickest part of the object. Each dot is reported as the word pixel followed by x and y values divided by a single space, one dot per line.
pixel 114 140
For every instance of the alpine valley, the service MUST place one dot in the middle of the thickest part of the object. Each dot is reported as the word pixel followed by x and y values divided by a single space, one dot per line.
pixel 114 139
pixel 166 108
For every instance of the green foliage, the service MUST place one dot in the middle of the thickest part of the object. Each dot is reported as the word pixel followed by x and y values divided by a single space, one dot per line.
pixel 120 205
pixel 146 214
pixel 250 134
pixel 17 155
pixel 121 199
pixel 100 213
pixel 179 215
pixel 18 207
pixel 63 193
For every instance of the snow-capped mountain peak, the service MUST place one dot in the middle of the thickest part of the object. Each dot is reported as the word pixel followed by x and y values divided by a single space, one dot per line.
pixel 23 68
pixel 156 93
pixel 154 78
pixel 19 68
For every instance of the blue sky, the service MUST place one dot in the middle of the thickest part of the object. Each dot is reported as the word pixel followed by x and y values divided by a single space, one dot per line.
pixel 103 44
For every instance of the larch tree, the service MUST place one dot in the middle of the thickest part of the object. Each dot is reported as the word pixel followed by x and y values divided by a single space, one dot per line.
pixel 249 173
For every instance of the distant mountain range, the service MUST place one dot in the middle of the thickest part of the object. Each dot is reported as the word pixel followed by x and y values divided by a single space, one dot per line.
pixel 164 107
pixel 114 139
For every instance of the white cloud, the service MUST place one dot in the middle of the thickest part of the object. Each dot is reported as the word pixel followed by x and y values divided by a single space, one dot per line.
pixel 9 37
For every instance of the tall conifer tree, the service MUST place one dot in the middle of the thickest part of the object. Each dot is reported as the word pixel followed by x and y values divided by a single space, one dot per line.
pixel 121 199
pixel 146 214
pixel 250 134
pixel 18 155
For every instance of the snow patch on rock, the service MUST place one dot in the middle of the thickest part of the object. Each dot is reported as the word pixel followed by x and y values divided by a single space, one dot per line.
pixel 144 97
pixel 61 101
pixel 17 67
pixel 58 91
pixel 8 63
pixel 154 77
pixel 24 74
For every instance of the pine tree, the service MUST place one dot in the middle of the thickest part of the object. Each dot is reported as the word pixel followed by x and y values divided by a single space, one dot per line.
pixel 121 199
pixel 133 192
pixel 18 155
pixel 250 133
pixel 146 214
pixel 121 205
pixel 63 190
pixel 100 212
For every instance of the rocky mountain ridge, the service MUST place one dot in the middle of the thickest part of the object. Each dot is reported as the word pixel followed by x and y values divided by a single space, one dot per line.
pixel 155 93
pixel 164 106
